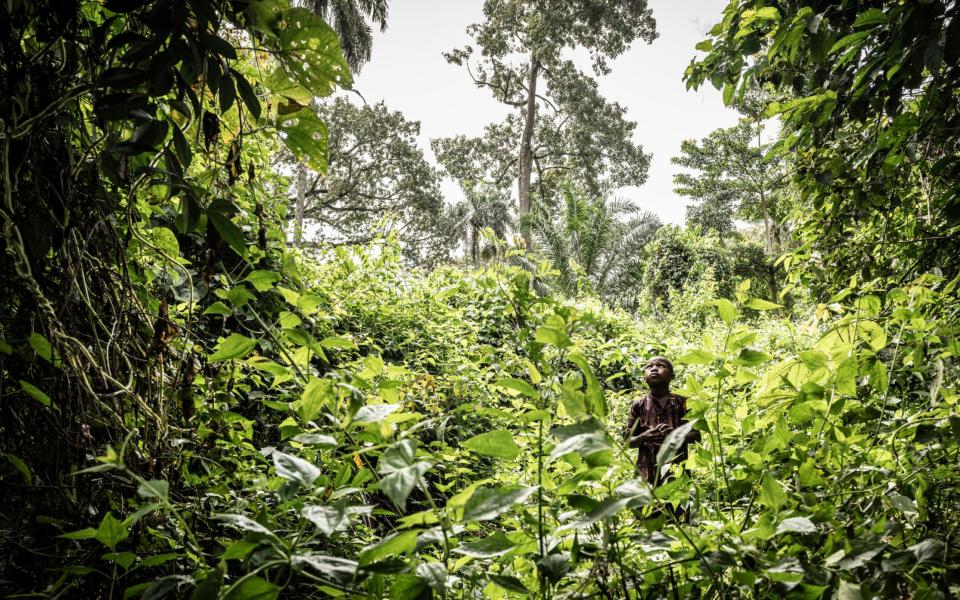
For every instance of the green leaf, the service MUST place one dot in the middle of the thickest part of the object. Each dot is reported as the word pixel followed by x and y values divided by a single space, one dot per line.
pixel 760 304
pixel 514 386
pixel 165 241
pixel 338 342
pixel 87 533
pixel 499 444
pixel 435 574
pixel 488 503
pixel 35 393
pixel 262 280
pixel 315 439
pixel 848 591
pixel 399 483
pixel 227 229
pixel 155 488
pixel 316 394
pixel 254 588
pixel 42 347
pixel 392 545
pixel 487 547
pixel 872 334
pixel 237 295
pixel 553 336
pixel 796 525
pixel 696 357
pixel 235 346
pixel 21 466
pixel 673 443
pixel 409 587
pixel 751 358
pixel 594 447
pixel 509 582
pixel 331 567
pixel 728 312
pixel 245 523
pixel 310 52
pixel 870 18
pixel 305 135
pixel 111 531
pixel 772 494
pixel 328 519
pixel 374 413
pixel 295 468
pixel 218 308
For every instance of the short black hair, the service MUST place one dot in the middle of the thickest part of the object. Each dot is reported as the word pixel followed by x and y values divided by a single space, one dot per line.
pixel 662 359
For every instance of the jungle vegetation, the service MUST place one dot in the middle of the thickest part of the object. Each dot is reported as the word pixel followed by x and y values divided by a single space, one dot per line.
pixel 248 351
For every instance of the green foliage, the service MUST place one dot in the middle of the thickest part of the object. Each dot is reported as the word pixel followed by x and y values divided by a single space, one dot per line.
pixel 869 126
pixel 733 179
pixel 191 408
pixel 375 172
pixel 595 245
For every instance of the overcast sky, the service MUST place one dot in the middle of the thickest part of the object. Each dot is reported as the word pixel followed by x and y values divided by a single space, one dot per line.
pixel 408 72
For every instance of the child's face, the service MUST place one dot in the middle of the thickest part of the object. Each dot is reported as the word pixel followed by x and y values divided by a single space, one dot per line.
pixel 657 371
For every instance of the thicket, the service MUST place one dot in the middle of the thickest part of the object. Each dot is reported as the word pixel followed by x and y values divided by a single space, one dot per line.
pixel 191 408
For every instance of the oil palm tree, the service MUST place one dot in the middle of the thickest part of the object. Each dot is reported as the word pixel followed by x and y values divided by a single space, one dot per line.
pixel 484 206
pixel 596 242
pixel 349 19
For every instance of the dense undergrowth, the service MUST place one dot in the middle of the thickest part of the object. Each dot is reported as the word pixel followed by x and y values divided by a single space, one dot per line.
pixel 191 408
pixel 380 431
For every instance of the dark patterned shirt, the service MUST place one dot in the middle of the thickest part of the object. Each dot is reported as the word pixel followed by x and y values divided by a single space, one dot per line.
pixel 646 413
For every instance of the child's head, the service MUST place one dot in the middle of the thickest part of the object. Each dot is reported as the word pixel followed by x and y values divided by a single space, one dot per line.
pixel 658 372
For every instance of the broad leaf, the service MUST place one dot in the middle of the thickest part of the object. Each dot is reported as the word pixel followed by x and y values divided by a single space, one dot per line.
pixel 499 444
pixel 295 468
pixel 235 346
pixel 487 547
pixel 489 503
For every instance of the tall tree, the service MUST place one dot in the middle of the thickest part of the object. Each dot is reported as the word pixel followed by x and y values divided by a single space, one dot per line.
pixel 731 179
pixel 593 239
pixel 349 19
pixel 521 61
pixel 375 170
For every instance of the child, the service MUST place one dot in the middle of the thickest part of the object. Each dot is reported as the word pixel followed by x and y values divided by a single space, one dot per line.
pixel 654 416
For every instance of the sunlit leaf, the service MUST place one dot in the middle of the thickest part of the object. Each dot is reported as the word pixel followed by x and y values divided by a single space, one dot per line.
pixel 499 444
pixel 234 346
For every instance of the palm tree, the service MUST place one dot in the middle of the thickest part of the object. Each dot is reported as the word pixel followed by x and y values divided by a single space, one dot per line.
pixel 483 207
pixel 596 242
pixel 349 19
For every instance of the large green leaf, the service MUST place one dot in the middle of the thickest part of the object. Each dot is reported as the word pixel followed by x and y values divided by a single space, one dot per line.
pixel 305 135
pixel 310 52
pixel 328 519
pixel 772 494
pixel 111 531
pixel 331 567
pixel 487 547
pixel 391 545
pixel 295 468
pixel 488 503
pixel 254 588
pixel 499 444
pixel 673 443
pixel 234 346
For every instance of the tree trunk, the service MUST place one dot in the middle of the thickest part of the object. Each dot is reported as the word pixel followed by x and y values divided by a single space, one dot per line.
pixel 768 242
pixel 301 202
pixel 525 160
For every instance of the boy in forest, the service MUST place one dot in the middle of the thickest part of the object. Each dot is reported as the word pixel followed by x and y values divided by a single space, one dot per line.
pixel 654 416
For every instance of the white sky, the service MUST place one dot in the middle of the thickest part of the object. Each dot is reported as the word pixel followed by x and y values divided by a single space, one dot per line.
pixel 408 72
